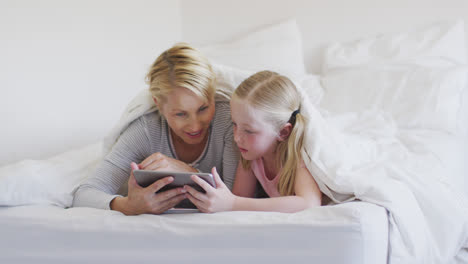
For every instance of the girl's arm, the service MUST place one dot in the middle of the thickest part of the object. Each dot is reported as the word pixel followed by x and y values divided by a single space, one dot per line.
pixel 221 199
pixel 245 182
pixel 307 195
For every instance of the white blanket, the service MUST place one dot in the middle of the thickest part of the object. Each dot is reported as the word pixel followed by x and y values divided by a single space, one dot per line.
pixel 367 157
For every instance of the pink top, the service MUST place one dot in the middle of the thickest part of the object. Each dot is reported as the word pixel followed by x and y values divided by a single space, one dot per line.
pixel 270 186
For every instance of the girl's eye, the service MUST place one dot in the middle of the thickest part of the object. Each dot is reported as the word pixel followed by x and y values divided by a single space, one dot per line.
pixel 249 132
pixel 180 114
pixel 202 108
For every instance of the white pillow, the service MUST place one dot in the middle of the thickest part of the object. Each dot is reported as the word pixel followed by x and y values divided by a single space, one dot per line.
pixel 440 44
pixel 416 96
pixel 311 88
pixel 277 48
pixel 51 181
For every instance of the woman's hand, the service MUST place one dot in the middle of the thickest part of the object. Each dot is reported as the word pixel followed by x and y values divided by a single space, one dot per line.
pixel 215 199
pixel 145 200
pixel 161 162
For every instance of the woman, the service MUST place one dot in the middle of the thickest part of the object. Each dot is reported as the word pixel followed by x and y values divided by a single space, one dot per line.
pixel 190 132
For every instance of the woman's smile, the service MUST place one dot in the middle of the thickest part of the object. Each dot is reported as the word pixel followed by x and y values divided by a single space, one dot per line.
pixel 194 134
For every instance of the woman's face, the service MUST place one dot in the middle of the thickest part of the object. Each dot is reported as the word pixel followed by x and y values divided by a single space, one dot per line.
pixel 254 136
pixel 188 116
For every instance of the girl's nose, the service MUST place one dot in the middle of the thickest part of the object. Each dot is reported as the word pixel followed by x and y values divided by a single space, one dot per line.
pixel 236 136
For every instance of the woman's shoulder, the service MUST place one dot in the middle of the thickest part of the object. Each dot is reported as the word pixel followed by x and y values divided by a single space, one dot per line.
pixel 222 118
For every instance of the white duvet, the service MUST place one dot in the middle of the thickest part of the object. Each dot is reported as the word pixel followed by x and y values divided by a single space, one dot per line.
pixel 378 163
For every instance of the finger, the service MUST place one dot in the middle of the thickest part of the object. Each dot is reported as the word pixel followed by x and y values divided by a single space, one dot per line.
pixel 173 201
pixel 150 159
pixel 169 194
pixel 168 204
pixel 218 181
pixel 206 186
pixel 132 181
pixel 134 166
pixel 199 204
pixel 157 165
pixel 157 185
pixel 198 195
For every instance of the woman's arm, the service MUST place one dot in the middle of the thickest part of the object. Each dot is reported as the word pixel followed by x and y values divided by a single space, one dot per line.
pixel 99 190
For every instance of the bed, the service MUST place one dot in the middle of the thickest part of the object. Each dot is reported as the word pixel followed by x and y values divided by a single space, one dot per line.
pixel 390 160
pixel 334 234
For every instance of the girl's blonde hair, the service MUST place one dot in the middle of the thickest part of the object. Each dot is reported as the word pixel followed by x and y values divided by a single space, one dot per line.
pixel 277 97
pixel 181 66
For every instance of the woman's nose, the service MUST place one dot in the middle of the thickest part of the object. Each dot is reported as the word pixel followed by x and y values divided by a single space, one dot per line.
pixel 195 125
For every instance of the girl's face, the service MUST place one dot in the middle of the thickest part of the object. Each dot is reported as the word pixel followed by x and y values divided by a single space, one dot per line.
pixel 188 116
pixel 253 135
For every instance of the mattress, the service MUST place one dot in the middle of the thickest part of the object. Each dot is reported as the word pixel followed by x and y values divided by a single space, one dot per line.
pixel 354 232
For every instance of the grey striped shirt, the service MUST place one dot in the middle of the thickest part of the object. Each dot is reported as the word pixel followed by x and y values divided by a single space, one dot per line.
pixel 150 134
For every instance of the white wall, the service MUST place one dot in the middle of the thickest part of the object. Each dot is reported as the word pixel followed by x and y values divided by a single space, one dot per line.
pixel 321 21
pixel 68 68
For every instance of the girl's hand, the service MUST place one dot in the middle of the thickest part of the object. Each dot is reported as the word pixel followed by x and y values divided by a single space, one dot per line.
pixel 161 162
pixel 145 200
pixel 215 199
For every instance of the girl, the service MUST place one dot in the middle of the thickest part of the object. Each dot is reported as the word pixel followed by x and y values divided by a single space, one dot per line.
pixel 269 132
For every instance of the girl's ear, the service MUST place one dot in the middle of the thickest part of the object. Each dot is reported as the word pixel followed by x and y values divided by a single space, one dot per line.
pixel 285 132
pixel 155 101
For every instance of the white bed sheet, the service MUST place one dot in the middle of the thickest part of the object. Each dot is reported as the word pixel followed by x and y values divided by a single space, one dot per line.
pixel 355 232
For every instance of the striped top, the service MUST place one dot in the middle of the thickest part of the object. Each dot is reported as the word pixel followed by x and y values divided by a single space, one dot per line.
pixel 150 134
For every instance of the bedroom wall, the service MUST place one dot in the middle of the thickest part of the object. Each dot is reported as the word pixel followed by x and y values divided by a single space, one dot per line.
pixel 211 21
pixel 68 68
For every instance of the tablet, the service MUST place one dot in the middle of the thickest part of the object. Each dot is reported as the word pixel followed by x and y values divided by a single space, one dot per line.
pixel 146 177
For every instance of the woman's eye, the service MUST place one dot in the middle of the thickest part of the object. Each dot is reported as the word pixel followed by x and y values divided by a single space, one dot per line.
pixel 202 108
pixel 249 132
pixel 180 114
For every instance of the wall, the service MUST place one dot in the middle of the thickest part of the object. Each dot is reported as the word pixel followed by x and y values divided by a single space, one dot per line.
pixel 211 21
pixel 68 68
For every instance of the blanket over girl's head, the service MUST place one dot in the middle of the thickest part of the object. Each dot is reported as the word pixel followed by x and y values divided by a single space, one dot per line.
pixel 365 156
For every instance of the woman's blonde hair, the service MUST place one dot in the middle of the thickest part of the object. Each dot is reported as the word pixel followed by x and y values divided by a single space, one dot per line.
pixel 277 97
pixel 181 66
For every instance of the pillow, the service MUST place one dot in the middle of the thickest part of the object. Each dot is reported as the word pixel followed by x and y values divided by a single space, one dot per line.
pixel 277 48
pixel 418 76
pixel 50 181
pixel 416 96
pixel 440 44
pixel 310 87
